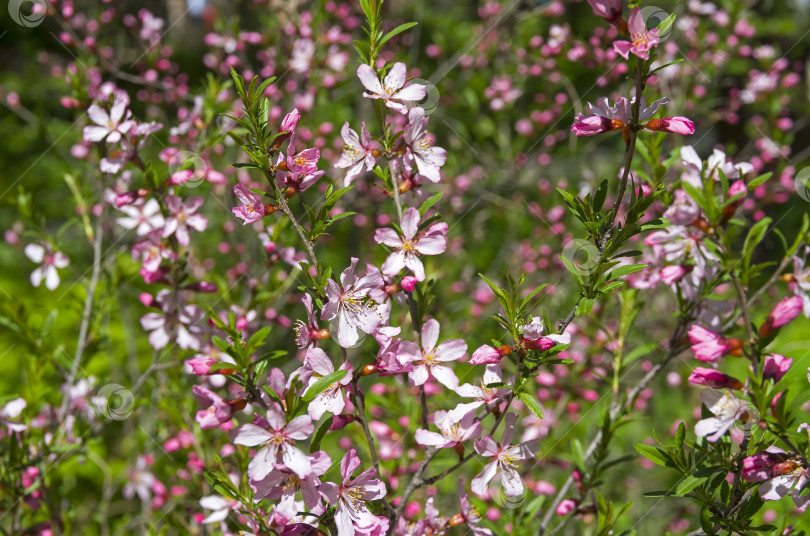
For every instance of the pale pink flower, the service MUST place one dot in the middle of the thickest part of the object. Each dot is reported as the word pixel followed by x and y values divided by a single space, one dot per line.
pixel 109 125
pixel 427 157
pixel 283 484
pixel 352 516
pixel 49 260
pixel 303 163
pixel 220 507
pixel 12 410
pixel 151 251
pixel 391 90
pixel 357 152
pixel 481 393
pixel 469 514
pixel 428 361
pixel 217 413
pixel 726 409
pixel 182 324
pixel 317 365
pixel 504 460
pixel 183 215
pixel 277 439
pixel 455 427
pixel 350 305
pixel 144 217
pixel 408 246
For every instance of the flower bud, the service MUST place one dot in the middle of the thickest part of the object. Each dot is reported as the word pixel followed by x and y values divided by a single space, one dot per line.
pixel 775 367
pixel 714 379
pixel 408 283
pixel 485 355
pixel 269 209
pixel 320 334
pixel 784 313
pixel 369 369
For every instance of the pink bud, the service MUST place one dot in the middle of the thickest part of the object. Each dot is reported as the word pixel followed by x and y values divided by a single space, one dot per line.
pixel 146 299
pixel 714 379
pixel 408 283
pixel 776 366
pixel 485 355
pixel 566 506
pixel 784 313
pixel 672 274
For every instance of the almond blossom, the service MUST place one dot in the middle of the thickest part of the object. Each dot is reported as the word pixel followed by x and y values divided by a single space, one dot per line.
pixel 308 334
pixel 605 118
pixel 9 414
pixel 317 365
pixel 481 393
pixel 782 474
pixel 252 209
pixel 352 516
pixel 641 39
pixel 49 260
pixel 391 90
pixel 182 215
pixel 427 157
pixel 219 412
pixel 177 321
pixel 408 246
pixel 726 409
pixel 428 361
pixel 277 439
pixel 109 125
pixel 283 484
pixel 144 217
pixel 504 460
pixel 357 152
pixel 350 306
pixel 469 514
pixel 455 427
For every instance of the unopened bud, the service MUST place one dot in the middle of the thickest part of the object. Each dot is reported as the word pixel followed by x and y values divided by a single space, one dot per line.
pixel 269 209
pixel 456 520
pixel 320 335
pixel 375 153
pixel 735 347
pixel 369 370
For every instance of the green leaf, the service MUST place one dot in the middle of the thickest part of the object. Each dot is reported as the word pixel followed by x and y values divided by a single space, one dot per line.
pixel 625 270
pixel 398 30
pixel 315 443
pixel 599 196
pixel 323 384
pixel 429 202
pixel 532 404
pixel 759 181
pixel 688 484
pixel 653 454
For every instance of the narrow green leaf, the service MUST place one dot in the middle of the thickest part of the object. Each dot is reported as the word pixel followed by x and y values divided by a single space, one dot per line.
pixel 323 384
pixel 532 404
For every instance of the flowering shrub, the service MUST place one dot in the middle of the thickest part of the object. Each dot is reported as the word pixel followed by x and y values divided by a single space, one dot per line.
pixel 455 313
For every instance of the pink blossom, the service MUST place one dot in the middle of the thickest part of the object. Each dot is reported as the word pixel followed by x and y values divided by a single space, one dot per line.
pixel 110 126
pixel 304 162
pixel 775 367
pixel 218 412
pixel 407 246
pixel 675 125
pixel 782 474
pixel 283 484
pixel 349 304
pixel 485 355
pixel 49 260
pixel 317 365
pixel 252 209
pixel 428 360
pixel 9 414
pixel 182 324
pixel 726 409
pixel 308 334
pixel 504 460
pixel 641 39
pixel 277 439
pixel 144 217
pixel 391 90
pixel 481 393
pixel 566 506
pixel 610 10
pixel 220 507
pixel 469 514
pixel 352 516
pixel 455 427
pixel 709 346
pixel 427 157
pixel 714 379
pixel 408 283
pixel 784 313
pixel 357 152
pixel 182 216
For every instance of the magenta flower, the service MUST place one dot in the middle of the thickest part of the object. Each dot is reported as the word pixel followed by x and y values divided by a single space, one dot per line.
pixel 151 251
pixel 611 11
pixel 455 427
pixel 714 379
pixel 49 260
pixel 761 465
pixel 182 216
pixel 317 365
pixel 641 39
pixel 303 163
pixel 726 409
pixel 427 157
pixel 350 305
pixel 775 367
pixel 407 247
pixel 144 217
pixel 218 412
pixel 357 152
pixel 469 514
pixel 605 118
pixel 391 90
pixel 674 125
pixel 783 475
pixel 183 324
pixel 353 516
pixel 428 360
pixel 784 313
pixel 504 460
pixel 277 439
pixel 252 209
pixel 110 126
pixel 709 346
